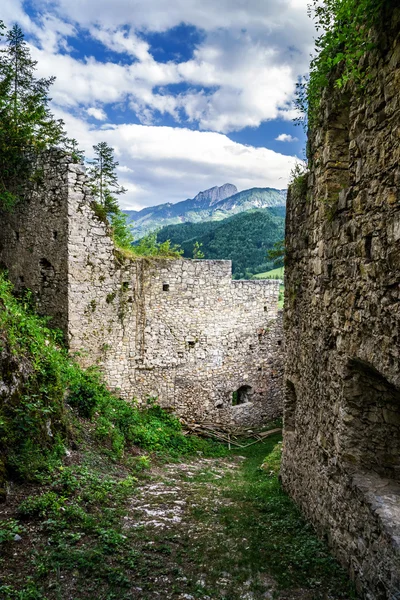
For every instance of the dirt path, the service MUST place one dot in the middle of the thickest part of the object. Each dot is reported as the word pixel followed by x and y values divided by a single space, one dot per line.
pixel 177 519
pixel 192 541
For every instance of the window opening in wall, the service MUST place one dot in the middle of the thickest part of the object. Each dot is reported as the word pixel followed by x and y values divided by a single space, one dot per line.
pixel 370 435
pixel 191 343
pixel 289 414
pixel 368 246
pixel 165 287
pixel 55 235
pixel 47 271
pixel 242 395
pixel 16 235
pixel 265 308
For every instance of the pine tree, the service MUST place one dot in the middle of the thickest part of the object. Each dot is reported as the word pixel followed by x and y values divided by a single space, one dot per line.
pixel 27 125
pixel 72 148
pixel 104 179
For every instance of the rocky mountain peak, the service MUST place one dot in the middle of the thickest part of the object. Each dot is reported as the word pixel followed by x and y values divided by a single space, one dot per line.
pixel 216 194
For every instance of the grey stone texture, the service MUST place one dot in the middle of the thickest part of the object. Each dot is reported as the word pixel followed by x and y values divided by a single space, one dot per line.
pixel 178 330
pixel 341 458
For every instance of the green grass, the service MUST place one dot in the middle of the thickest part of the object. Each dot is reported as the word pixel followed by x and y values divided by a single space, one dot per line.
pixel 37 423
pixel 71 514
pixel 281 541
pixel 278 273
pixel 264 535
pixel 240 527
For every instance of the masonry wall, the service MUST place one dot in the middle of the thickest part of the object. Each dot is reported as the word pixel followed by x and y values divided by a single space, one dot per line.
pixel 341 459
pixel 34 239
pixel 178 330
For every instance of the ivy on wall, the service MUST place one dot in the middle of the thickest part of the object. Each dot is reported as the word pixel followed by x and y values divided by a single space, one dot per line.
pixel 346 34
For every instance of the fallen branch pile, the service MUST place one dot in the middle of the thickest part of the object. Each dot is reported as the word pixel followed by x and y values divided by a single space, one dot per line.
pixel 229 436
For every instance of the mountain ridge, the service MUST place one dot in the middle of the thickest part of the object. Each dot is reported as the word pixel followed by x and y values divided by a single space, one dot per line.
pixel 213 204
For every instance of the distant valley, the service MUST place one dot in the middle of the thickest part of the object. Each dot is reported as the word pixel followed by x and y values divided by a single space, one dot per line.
pixel 214 204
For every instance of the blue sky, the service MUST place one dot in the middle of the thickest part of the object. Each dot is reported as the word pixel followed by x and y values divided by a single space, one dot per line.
pixel 190 94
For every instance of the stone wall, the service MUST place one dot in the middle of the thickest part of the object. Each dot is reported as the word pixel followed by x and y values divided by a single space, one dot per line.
pixel 207 347
pixel 34 239
pixel 341 459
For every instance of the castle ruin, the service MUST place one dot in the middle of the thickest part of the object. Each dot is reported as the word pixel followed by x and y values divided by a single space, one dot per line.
pixel 207 347
pixel 341 460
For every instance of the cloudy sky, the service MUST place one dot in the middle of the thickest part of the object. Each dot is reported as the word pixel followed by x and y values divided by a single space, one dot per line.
pixel 190 93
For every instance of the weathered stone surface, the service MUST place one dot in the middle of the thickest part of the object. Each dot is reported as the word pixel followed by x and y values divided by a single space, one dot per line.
pixel 341 459
pixel 180 330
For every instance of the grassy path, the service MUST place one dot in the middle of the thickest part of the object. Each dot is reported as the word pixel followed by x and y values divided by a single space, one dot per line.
pixel 222 529
pixel 199 529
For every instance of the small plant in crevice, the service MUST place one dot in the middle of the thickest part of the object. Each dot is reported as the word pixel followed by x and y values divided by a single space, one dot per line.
pixel 298 181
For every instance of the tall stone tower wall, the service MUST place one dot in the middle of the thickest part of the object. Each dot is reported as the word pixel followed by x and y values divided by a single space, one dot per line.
pixel 341 459
pixel 207 347
pixel 34 239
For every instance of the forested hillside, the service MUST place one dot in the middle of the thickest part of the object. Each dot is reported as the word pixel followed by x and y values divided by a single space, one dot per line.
pixel 214 204
pixel 244 238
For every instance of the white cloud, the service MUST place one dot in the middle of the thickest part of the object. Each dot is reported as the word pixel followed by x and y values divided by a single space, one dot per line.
pixel 166 164
pixel 160 15
pixel 286 137
pixel 96 113
pixel 242 73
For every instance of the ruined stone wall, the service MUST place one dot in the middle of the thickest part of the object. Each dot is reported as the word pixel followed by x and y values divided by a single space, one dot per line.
pixel 178 330
pixel 34 237
pixel 341 459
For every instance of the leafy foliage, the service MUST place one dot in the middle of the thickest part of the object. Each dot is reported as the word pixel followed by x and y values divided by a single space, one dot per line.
pixel 27 125
pixel 34 417
pixel 244 238
pixel 105 187
pixel 123 237
pixel 71 146
pixel 9 529
pixel 346 28
pixel 35 423
pixel 197 250
pixel 150 246
pixel 277 252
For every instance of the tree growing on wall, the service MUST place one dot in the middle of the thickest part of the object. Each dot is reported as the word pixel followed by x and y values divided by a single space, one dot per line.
pixel 104 179
pixel 27 125
pixel 105 188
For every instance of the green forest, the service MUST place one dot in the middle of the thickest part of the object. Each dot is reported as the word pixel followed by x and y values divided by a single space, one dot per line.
pixel 245 239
